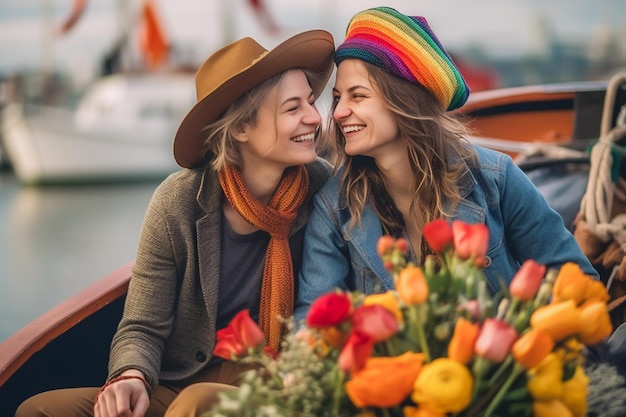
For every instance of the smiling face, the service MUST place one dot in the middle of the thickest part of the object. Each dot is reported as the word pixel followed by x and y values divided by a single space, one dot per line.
pixel 368 126
pixel 284 131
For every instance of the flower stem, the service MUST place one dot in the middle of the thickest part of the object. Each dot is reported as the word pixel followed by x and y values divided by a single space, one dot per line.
pixel 419 327
pixel 517 371
pixel 338 391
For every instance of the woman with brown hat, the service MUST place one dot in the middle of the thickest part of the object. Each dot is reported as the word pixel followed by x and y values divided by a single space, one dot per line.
pixel 403 161
pixel 223 235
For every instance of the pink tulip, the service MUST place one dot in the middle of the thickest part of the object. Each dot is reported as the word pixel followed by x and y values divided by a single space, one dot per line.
pixel 470 240
pixel 527 280
pixel 376 321
pixel 355 352
pixel 241 334
pixel 495 340
pixel 438 235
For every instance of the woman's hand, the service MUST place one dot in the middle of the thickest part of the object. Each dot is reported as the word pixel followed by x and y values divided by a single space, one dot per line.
pixel 126 397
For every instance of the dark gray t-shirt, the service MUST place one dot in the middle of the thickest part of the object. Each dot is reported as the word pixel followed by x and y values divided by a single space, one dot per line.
pixel 241 273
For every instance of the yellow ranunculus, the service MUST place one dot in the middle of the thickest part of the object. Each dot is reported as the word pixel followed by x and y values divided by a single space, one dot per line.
pixel 545 381
pixel 444 386
pixel 388 300
pixel 551 408
pixel 575 392
pixel 384 381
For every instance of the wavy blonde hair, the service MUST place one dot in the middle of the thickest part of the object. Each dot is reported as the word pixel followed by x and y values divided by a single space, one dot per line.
pixel 221 148
pixel 437 150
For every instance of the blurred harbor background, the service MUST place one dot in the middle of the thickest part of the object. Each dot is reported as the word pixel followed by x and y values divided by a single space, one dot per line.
pixel 63 228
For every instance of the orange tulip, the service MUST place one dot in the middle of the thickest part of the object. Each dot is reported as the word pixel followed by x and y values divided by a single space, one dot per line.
pixel 412 286
pixel 596 322
pixel 530 349
pixel 461 347
pixel 558 320
pixel 571 284
pixel 385 245
pixel 384 381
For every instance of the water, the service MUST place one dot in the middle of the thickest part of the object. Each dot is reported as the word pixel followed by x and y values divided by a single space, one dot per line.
pixel 57 240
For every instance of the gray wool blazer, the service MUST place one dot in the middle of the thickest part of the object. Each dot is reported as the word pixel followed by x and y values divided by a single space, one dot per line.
pixel 167 330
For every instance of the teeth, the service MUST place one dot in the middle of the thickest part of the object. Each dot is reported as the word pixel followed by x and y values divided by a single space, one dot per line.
pixel 349 129
pixel 304 138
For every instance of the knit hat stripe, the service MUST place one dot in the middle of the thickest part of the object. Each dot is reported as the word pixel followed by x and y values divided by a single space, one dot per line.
pixel 407 47
pixel 406 62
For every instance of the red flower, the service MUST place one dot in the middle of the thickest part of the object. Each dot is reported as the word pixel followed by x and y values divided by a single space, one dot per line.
pixel 355 352
pixel 376 321
pixel 527 280
pixel 495 340
pixel 438 235
pixel 329 310
pixel 470 240
pixel 241 334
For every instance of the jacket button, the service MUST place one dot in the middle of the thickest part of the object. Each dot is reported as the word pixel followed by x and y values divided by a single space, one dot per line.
pixel 487 262
pixel 200 356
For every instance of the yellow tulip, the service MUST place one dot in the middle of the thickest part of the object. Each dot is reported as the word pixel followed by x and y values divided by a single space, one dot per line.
pixel 575 392
pixel 551 408
pixel 388 300
pixel 571 284
pixel 596 322
pixel 558 320
pixel 444 386
pixel 596 291
pixel 545 380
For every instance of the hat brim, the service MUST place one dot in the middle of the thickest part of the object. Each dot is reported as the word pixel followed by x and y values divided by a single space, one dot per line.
pixel 312 50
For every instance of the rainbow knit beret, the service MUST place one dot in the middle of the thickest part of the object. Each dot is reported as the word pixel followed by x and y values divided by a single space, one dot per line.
pixel 406 47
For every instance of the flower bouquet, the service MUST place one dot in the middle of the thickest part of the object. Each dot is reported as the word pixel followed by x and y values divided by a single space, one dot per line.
pixel 438 345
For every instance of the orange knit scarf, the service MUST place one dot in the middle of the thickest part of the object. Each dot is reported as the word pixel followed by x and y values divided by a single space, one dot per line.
pixel 277 288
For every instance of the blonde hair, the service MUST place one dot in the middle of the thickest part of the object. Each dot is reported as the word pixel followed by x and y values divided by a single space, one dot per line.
pixel 221 148
pixel 437 154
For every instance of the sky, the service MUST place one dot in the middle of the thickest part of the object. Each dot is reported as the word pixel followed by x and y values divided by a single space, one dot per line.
pixel 27 39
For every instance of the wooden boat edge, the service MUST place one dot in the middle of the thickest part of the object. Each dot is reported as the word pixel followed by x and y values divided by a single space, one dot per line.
pixel 21 346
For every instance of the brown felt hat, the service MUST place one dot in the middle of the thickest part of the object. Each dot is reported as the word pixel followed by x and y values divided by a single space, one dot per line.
pixel 238 67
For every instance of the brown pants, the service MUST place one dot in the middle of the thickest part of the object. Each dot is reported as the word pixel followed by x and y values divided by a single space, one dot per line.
pixel 188 398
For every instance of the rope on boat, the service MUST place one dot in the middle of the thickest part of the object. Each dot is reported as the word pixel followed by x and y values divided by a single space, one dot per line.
pixel 605 183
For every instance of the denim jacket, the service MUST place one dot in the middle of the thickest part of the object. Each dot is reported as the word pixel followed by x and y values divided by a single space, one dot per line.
pixel 495 192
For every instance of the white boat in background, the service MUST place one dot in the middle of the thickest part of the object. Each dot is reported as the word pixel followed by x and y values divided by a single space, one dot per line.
pixel 121 130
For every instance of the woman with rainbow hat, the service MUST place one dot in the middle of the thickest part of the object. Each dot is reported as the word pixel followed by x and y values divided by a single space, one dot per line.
pixel 403 160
